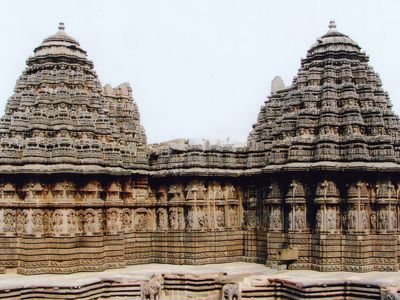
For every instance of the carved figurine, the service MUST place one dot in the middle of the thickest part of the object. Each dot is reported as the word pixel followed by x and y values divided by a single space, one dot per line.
pixel 231 291
pixel 152 289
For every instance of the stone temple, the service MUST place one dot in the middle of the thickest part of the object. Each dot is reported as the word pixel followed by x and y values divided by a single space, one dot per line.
pixel 316 186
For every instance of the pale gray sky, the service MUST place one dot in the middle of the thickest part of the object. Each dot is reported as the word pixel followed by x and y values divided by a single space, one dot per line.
pixel 199 68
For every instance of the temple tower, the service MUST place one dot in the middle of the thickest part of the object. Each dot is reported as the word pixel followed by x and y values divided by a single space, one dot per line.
pixel 333 139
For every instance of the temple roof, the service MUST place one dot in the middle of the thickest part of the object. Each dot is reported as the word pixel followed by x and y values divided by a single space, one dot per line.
pixel 59 44
pixel 60 36
pixel 61 117
pixel 333 42
pixel 335 110
pixel 335 114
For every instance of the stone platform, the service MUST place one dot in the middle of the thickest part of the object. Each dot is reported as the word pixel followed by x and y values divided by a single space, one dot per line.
pixel 247 280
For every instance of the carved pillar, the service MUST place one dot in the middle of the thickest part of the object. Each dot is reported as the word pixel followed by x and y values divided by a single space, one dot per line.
pixel 274 203
pixel 327 198
pixel 197 214
pixel 358 210
pixel 193 213
pixel 230 198
pixel 296 201
pixel 386 215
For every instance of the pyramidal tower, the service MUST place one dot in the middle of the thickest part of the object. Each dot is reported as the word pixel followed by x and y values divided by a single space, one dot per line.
pixel 60 117
pixel 330 146
pixel 335 111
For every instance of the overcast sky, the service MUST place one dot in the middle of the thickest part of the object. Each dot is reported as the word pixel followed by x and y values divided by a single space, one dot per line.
pixel 199 69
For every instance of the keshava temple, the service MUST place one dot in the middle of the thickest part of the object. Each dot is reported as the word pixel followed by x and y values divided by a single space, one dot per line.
pixel 308 208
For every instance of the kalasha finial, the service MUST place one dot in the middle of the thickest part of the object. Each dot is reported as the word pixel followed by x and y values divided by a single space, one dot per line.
pixel 61 26
pixel 332 25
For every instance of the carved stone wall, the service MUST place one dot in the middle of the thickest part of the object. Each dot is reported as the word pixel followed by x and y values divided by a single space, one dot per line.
pixel 63 224
pixel 338 222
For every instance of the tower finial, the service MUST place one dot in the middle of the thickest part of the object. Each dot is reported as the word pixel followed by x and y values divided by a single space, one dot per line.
pixel 61 26
pixel 332 25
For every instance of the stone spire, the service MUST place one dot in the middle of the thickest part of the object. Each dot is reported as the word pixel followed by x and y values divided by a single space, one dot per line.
pixel 60 114
pixel 335 110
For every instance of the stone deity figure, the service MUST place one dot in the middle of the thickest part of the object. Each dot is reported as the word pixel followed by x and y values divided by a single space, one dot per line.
pixel 299 218
pixel 174 218
pixel 318 219
pixel 351 219
pixel 393 220
pixel 220 218
pixel 373 220
pixel 276 222
pixel 162 219
pixel 233 217
pixel 331 219
pixel 383 220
